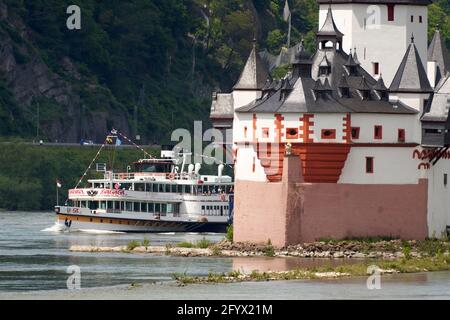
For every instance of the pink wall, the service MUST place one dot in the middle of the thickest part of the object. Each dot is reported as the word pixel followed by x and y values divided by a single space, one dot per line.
pixel 291 212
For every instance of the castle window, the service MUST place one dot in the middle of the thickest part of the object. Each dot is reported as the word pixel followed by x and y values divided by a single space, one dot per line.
pixel 254 165
pixel 324 71
pixel 378 132
pixel 345 92
pixel 401 135
pixel 420 19
pixel 369 164
pixel 391 12
pixel 328 134
pixel 355 132
pixel 245 132
pixel 291 133
pixel 412 19
pixel 445 179
pixel 265 132
pixel 376 68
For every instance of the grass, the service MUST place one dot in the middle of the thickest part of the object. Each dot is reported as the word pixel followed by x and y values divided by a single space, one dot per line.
pixel 201 244
pixel 269 250
pixel 413 265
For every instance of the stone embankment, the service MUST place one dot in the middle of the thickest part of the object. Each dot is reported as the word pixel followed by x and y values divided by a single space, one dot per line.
pixel 393 249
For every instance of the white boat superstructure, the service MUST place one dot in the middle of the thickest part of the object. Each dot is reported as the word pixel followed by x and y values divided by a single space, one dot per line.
pixel 159 195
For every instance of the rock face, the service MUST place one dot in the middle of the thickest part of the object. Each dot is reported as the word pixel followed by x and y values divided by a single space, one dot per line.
pixel 30 80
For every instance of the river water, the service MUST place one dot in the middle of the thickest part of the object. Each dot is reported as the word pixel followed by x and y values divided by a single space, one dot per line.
pixel 34 262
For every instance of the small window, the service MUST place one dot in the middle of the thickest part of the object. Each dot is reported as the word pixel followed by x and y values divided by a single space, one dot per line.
pixel 265 132
pixel 378 132
pixel 355 132
pixel 369 164
pixel 254 165
pixel 420 19
pixel 401 135
pixel 445 179
pixel 412 18
pixel 376 68
pixel 391 12
pixel 291 133
pixel 328 134
pixel 245 132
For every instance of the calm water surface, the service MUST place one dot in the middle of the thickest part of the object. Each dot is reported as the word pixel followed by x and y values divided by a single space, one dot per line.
pixel 34 261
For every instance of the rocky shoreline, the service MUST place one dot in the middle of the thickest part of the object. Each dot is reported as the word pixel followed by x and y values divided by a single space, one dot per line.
pixel 394 249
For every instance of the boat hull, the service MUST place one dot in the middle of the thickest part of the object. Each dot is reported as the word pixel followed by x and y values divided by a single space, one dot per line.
pixel 139 226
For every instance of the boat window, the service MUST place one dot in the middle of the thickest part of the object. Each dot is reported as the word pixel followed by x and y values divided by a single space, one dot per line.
pixel 148 187
pixel 126 186
pixel 143 207
pixel 139 187
pixel 93 205
pixel 137 207
pixel 122 205
pixel 117 205
pixel 161 188
pixel 103 205
pixel 157 208
pixel 129 206
pixel 169 208
pixel 180 188
pixel 174 188
pixel 163 209
pixel 151 207
pixel 155 187
pixel 110 204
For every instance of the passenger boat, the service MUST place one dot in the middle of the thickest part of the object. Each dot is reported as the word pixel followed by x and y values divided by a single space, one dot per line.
pixel 158 195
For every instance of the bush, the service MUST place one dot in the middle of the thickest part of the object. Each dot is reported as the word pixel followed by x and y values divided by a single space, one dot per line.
pixel 229 235
pixel 132 245
pixel 203 244
pixel 146 243
pixel 269 250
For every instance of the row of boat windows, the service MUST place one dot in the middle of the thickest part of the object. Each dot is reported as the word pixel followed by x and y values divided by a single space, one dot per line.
pixel 119 206
pixel 214 210
pixel 169 188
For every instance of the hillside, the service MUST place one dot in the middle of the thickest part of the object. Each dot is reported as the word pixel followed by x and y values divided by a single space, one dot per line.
pixel 150 60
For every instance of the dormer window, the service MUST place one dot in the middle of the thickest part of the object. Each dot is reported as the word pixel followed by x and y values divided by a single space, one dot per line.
pixel 324 71
pixel 365 94
pixel 345 92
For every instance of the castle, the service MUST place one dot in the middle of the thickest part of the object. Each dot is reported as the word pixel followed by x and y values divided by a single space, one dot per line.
pixel 354 141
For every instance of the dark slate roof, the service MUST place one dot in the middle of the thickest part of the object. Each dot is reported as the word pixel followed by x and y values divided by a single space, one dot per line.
pixel 411 75
pixel 415 2
pixel 438 110
pixel 329 27
pixel 437 51
pixel 222 106
pixel 380 86
pixel 320 94
pixel 255 73
pixel 286 56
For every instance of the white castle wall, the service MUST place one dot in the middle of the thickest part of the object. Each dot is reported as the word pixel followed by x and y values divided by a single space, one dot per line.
pixel 390 123
pixel 438 199
pixel 372 43
pixel 243 97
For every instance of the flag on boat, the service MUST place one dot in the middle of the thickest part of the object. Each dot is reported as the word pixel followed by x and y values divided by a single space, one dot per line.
pixel 118 142
pixel 286 12
pixel 109 139
pixel 58 183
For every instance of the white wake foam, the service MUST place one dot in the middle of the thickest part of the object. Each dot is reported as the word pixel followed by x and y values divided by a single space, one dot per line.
pixel 57 227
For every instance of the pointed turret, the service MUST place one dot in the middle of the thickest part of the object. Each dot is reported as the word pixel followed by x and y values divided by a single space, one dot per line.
pixel 437 52
pixel 411 76
pixel 329 33
pixel 255 73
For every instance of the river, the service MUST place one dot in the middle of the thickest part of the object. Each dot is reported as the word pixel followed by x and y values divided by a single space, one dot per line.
pixel 34 261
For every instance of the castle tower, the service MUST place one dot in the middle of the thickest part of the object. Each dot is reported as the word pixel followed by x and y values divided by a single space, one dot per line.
pixel 252 80
pixel 438 59
pixel 410 84
pixel 378 27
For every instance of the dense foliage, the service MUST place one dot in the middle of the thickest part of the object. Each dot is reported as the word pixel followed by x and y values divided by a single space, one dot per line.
pixel 28 173
pixel 164 56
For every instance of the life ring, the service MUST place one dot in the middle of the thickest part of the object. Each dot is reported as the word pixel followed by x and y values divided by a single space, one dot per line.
pixel 223 197
pixel 171 176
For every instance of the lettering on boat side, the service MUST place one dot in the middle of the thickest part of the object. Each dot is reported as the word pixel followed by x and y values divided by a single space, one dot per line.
pixel 93 193
pixel 225 310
